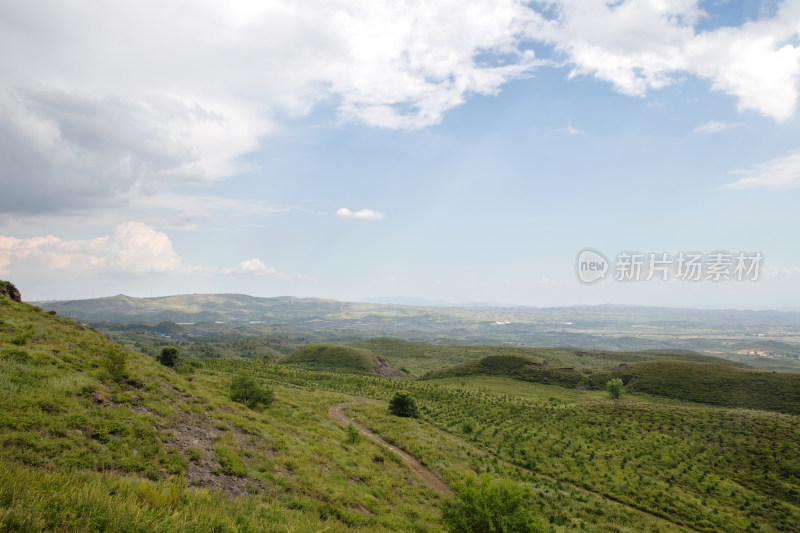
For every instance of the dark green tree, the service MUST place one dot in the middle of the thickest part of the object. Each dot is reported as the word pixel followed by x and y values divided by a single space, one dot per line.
pixel 247 390
pixel 488 504
pixel 403 404
pixel 615 388
pixel 169 356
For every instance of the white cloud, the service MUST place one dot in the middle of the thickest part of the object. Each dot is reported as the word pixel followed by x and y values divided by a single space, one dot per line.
pixel 364 214
pixel 129 99
pixel 250 266
pixel 133 248
pixel 257 267
pixel 638 45
pixel 66 151
pixel 136 97
pixel 715 126
pixel 779 173
pixel 573 130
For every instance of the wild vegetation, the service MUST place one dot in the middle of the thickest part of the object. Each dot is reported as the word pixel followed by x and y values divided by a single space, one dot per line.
pixel 94 436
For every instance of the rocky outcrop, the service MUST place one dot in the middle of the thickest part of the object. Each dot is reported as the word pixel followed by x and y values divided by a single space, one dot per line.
pixel 8 289
pixel 384 368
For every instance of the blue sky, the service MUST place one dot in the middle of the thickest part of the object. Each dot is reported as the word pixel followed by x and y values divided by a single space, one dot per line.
pixel 444 150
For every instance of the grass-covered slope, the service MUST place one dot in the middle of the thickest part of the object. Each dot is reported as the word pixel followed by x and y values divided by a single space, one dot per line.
pixel 94 437
pixel 492 365
pixel 326 357
pixel 717 384
pixel 421 358
pixel 694 377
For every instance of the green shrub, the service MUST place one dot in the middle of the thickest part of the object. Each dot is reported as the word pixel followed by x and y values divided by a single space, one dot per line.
pixel 488 504
pixel 353 434
pixel 615 388
pixel 403 404
pixel 245 389
pixel 114 363
pixel 169 356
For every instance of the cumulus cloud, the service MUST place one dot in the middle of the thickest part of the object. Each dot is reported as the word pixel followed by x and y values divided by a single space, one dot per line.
pixel 132 98
pixel 639 45
pixel 715 126
pixel 257 267
pixel 133 248
pixel 64 150
pixel 250 266
pixel 364 214
pixel 102 101
pixel 779 173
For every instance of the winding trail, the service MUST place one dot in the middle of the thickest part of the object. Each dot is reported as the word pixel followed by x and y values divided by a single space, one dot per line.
pixel 431 480
pixel 435 482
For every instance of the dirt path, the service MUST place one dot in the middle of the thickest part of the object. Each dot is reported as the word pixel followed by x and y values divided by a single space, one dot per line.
pixel 436 483
pixel 431 480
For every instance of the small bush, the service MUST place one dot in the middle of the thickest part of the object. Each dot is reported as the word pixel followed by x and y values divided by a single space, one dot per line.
pixel 353 434
pixel 403 404
pixel 245 389
pixel 169 356
pixel 490 505
pixel 615 388
pixel 114 363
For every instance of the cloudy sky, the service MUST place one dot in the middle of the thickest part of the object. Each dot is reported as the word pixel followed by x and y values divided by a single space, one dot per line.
pixel 450 150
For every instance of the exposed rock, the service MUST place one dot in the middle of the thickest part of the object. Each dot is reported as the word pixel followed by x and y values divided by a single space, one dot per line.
pixel 384 368
pixel 8 289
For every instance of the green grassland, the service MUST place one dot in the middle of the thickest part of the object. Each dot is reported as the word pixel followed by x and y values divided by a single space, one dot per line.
pixel 332 357
pixel 708 468
pixel 691 377
pixel 96 437
pixel 88 446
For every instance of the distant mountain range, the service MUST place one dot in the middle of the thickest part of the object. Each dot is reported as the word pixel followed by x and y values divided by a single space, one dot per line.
pixel 616 327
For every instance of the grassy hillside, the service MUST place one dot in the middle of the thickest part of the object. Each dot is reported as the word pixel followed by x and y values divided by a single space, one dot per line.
pixel 705 467
pixel 498 365
pixel 419 358
pixel 693 378
pixel 335 358
pixel 716 384
pixel 94 437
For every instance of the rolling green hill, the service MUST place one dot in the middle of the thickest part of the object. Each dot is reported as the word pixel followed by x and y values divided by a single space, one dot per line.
pixel 420 358
pixel 492 365
pixel 693 377
pixel 716 384
pixel 94 437
pixel 336 358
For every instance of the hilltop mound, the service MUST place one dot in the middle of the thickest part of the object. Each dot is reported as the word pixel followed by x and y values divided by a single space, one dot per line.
pixel 511 365
pixel 715 384
pixel 710 380
pixel 337 358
